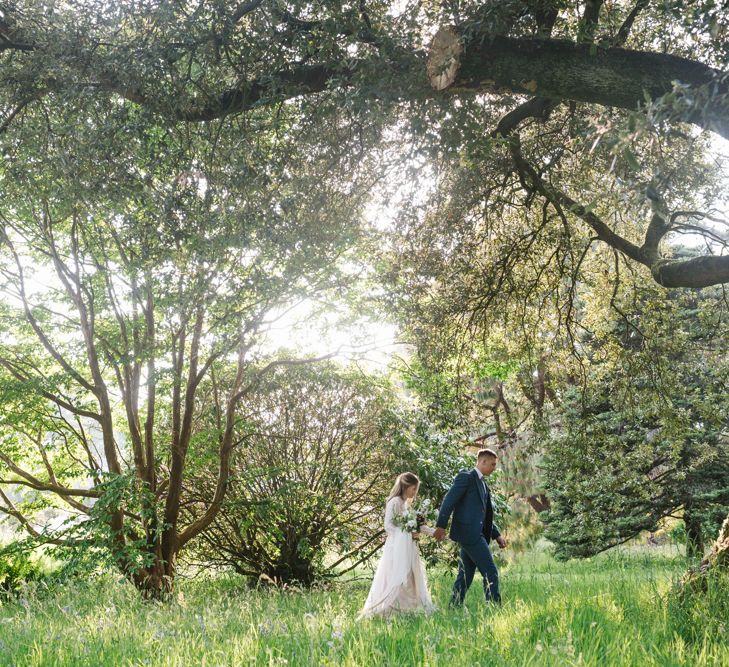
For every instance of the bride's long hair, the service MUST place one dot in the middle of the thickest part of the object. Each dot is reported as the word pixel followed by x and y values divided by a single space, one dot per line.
pixel 403 481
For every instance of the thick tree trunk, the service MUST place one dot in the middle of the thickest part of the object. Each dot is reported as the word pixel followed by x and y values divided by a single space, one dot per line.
pixel 157 581
pixel 548 68
pixel 694 537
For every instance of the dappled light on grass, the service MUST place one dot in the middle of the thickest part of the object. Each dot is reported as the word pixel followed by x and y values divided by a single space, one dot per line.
pixel 607 611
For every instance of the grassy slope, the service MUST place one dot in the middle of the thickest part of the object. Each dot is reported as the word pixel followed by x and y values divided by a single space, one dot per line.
pixel 606 611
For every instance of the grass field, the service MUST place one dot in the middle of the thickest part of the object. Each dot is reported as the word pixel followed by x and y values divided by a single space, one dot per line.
pixel 605 611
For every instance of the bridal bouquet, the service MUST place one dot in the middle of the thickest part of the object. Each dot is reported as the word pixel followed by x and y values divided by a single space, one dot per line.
pixel 415 515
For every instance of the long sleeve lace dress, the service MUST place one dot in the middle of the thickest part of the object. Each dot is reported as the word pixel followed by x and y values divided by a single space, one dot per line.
pixel 400 583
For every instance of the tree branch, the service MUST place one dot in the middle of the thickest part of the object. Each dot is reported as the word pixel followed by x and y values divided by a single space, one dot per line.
pixel 693 272
pixel 588 22
pixel 243 9
pixel 658 227
pixel 550 68
pixel 537 107
pixel 625 28
pixel 22 376
pixel 30 480
pixel 46 342
pixel 11 116
pixel 613 77
pixel 560 198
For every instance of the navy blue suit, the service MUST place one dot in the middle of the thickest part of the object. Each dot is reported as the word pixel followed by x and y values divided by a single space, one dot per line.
pixel 469 501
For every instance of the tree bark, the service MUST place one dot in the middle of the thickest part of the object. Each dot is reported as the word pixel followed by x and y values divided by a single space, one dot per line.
pixel 613 77
pixel 581 71
pixel 694 272
pixel 539 502
pixel 696 580
pixel 694 538
pixel 719 555
pixel 549 68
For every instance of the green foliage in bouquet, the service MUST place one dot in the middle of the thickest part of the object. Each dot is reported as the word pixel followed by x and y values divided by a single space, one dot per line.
pixel 416 514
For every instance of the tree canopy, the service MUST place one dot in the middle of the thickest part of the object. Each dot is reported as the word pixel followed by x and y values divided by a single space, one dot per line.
pixel 127 290
pixel 571 106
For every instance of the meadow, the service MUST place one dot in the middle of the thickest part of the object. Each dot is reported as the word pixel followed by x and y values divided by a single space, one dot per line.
pixel 609 610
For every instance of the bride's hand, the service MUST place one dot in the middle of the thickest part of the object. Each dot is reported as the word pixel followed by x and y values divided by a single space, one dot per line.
pixel 416 535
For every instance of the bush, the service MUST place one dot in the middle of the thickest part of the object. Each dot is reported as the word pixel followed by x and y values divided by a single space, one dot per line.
pixel 308 485
pixel 17 570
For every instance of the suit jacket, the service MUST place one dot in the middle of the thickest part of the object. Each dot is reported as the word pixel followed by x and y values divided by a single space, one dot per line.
pixel 469 500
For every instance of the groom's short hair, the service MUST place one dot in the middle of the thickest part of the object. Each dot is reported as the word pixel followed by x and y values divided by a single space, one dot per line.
pixel 486 453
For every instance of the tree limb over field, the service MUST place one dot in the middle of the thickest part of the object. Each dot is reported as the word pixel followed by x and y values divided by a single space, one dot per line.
pixel 582 71
pixel 557 69
pixel 342 56
pixel 694 272
pixel 611 77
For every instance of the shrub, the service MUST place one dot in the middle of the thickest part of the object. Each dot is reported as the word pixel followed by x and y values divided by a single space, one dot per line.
pixel 309 481
pixel 17 570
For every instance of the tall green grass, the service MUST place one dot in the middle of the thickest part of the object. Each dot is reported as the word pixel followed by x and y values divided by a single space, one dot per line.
pixel 609 610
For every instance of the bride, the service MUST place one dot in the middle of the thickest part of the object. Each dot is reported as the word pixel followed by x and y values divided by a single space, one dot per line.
pixel 399 583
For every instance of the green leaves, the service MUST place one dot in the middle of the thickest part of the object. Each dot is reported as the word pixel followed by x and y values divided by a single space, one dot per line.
pixel 641 437
pixel 309 478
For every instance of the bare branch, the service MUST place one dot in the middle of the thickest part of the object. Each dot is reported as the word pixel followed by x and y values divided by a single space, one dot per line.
pixel 627 25
pixel 693 272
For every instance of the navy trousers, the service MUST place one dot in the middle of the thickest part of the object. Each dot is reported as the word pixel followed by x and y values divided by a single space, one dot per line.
pixel 476 556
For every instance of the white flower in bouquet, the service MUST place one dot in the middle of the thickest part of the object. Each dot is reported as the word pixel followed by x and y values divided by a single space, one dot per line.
pixel 408 520
pixel 415 515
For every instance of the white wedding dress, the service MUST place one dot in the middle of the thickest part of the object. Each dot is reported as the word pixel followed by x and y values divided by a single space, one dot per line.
pixel 400 583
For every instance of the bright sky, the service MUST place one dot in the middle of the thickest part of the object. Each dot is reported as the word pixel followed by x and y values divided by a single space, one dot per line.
pixel 303 329
pixel 370 343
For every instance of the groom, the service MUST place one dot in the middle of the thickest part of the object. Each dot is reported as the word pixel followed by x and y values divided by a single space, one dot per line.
pixel 469 500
